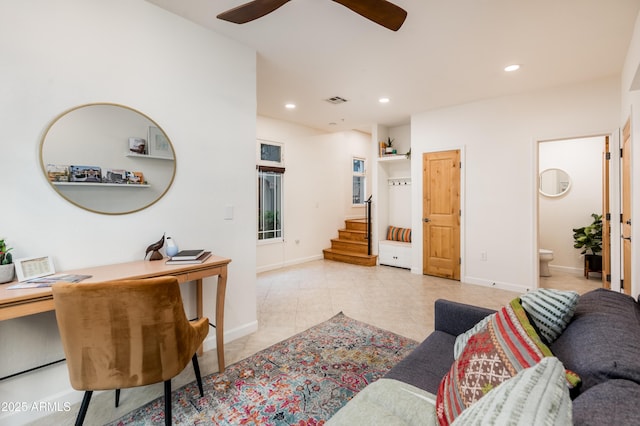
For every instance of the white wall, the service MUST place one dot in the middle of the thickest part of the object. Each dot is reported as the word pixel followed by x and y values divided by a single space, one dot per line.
pixel 198 86
pixel 317 189
pixel 499 196
pixel 582 160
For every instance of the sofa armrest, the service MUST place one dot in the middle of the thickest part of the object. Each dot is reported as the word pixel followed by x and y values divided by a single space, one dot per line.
pixel 455 318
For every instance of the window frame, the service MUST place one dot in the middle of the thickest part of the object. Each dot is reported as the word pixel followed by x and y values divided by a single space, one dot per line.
pixel 363 176
pixel 263 168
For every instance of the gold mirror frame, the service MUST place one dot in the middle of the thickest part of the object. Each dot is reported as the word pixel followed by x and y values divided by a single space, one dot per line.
pixel 94 197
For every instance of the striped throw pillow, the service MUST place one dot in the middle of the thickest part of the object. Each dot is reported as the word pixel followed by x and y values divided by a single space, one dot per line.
pixel 506 345
pixel 550 310
pixel 535 396
pixel 399 234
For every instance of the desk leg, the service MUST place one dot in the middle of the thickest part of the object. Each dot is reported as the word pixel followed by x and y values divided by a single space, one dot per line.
pixel 199 310
pixel 220 295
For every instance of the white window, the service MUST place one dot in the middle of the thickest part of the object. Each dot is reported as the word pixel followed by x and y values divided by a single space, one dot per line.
pixel 270 190
pixel 359 181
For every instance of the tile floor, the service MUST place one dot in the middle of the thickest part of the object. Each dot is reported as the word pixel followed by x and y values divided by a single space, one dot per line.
pixel 292 299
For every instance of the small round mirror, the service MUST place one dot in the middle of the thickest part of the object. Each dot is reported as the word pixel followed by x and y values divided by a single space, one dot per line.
pixel 554 182
pixel 107 158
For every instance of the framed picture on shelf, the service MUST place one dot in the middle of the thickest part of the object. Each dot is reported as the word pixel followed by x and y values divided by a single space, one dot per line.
pixel 158 144
pixel 58 173
pixel 85 174
pixel 115 176
pixel 138 146
pixel 135 177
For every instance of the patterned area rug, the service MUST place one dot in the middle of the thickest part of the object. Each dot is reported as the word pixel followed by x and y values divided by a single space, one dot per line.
pixel 300 381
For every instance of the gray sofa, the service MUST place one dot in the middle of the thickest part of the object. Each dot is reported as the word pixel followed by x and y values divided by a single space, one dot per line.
pixel 601 344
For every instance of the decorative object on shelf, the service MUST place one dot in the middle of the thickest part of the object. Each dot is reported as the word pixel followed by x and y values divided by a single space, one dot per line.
pixel 153 249
pixel 6 263
pixel 85 174
pixel 389 149
pixel 138 145
pixel 172 248
pixel 135 178
pixel 159 145
pixel 589 239
pixel 115 176
pixel 58 173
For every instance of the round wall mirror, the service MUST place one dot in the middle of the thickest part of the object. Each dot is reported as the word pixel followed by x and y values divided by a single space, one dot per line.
pixel 107 158
pixel 554 182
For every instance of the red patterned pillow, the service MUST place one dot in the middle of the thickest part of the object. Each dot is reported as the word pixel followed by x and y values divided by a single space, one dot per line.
pixel 399 234
pixel 506 345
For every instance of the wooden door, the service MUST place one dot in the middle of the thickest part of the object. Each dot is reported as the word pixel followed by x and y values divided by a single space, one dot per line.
pixel 626 207
pixel 441 214
pixel 606 218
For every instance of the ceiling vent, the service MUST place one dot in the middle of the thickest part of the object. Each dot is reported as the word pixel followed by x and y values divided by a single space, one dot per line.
pixel 336 100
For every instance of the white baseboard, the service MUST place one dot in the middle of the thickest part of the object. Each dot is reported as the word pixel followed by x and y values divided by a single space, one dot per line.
pixel 230 335
pixel 496 284
pixel 292 262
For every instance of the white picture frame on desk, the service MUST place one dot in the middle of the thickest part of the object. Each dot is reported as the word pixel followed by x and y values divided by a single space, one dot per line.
pixel 28 268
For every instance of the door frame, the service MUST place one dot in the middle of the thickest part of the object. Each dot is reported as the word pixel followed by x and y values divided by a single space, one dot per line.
pixel 615 198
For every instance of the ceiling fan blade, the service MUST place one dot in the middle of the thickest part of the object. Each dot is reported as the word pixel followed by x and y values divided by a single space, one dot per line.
pixel 250 11
pixel 379 11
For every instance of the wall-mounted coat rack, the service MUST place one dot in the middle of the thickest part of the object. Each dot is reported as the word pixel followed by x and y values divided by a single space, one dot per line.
pixel 399 181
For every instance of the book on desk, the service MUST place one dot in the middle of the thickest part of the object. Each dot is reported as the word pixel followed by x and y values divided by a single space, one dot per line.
pixel 180 260
pixel 187 254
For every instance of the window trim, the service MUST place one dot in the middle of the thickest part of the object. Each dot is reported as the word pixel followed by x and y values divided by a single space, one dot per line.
pixel 362 174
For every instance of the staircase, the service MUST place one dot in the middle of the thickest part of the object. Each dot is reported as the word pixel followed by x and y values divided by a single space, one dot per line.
pixel 351 245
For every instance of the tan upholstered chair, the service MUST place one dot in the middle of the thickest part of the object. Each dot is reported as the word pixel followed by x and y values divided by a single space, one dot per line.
pixel 122 334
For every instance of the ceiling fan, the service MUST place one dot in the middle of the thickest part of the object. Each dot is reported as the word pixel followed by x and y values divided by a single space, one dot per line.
pixel 379 11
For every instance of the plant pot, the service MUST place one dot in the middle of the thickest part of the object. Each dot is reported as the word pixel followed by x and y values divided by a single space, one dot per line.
pixel 6 273
pixel 592 263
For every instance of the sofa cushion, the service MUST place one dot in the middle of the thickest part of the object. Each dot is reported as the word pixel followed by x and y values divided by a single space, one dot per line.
pixel 614 402
pixel 550 310
pixel 427 364
pixel 505 346
pixel 603 340
pixel 388 402
pixel 535 396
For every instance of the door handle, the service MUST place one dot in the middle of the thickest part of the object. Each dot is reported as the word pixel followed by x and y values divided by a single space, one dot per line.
pixel 626 238
pixel 426 219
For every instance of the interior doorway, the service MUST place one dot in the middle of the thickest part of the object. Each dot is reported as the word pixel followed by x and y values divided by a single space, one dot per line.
pixel 570 182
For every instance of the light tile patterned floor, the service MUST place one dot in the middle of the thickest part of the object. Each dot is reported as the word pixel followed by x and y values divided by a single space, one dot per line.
pixel 292 299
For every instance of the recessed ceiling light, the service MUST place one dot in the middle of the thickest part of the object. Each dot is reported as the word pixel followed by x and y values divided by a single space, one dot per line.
pixel 511 68
pixel 384 100
pixel 290 106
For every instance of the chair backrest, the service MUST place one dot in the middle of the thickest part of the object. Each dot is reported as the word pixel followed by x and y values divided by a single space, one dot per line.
pixel 122 334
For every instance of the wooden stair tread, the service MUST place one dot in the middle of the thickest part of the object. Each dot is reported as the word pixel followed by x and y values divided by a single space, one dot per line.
pixel 349 253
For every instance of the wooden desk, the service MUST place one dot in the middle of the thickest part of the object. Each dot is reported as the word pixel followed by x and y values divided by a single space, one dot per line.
pixel 22 302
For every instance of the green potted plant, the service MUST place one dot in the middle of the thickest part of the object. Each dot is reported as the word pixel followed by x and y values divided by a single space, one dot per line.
pixel 389 148
pixel 6 263
pixel 589 239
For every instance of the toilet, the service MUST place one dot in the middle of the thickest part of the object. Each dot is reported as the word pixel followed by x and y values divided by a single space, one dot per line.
pixel 545 257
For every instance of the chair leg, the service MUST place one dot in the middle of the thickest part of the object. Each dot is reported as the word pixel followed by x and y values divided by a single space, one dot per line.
pixel 117 397
pixel 83 408
pixel 196 370
pixel 167 402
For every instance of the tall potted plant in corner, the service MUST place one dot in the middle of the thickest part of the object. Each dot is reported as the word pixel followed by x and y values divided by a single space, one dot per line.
pixel 589 239
pixel 6 263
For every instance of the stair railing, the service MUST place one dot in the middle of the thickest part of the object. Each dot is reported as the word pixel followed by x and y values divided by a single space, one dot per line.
pixel 369 225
